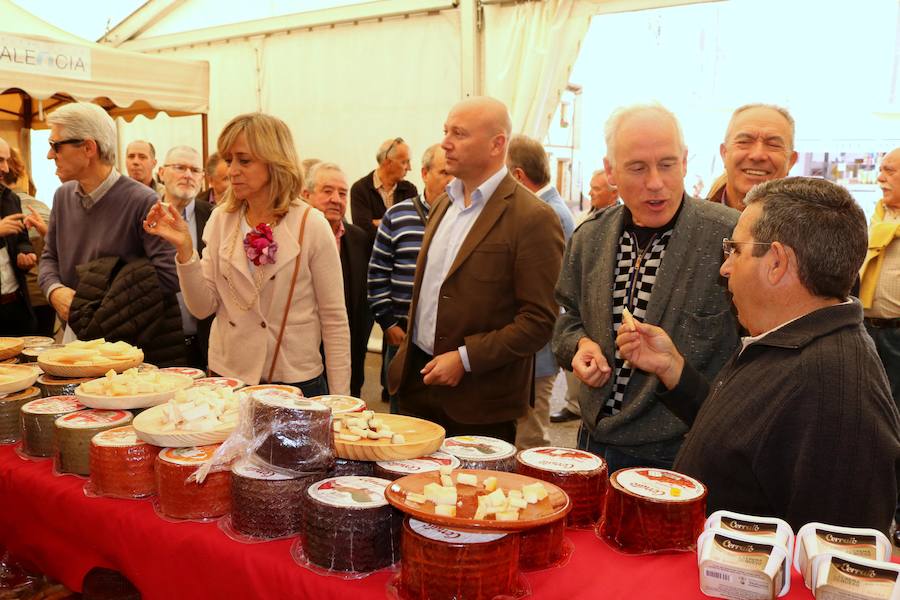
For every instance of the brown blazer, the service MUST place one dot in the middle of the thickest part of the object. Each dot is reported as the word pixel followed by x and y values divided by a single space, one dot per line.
pixel 497 300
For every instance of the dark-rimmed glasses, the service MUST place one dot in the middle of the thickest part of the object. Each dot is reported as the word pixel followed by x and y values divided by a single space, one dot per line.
pixel 729 246
pixel 55 145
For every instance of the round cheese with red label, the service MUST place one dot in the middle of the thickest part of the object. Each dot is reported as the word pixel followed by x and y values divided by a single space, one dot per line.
pixel 59 386
pixel 266 504
pixel 394 469
pixel 74 432
pixel 653 510
pixel 38 419
pixel 481 452
pixel 10 409
pixel 189 371
pixel 231 382
pixel 121 465
pixel 341 404
pixel 180 496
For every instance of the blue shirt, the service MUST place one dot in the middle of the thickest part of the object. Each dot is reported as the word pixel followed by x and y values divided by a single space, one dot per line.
pixel 188 321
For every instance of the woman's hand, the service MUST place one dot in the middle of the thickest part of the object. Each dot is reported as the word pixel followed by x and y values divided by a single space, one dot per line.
pixel 648 348
pixel 164 221
pixel 37 221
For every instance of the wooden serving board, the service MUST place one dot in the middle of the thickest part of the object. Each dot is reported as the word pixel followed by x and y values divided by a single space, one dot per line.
pixel 10 347
pixel 23 377
pixel 179 382
pixel 422 437
pixel 149 427
pixel 552 508
pixel 61 369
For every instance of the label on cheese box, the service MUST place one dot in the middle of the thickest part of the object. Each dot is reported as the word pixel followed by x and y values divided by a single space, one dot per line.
pixel 220 381
pixel 478 447
pixel 350 491
pixel 845 578
pixel 191 456
pixel 854 544
pixel 88 419
pixel 189 371
pixel 423 464
pixel 285 399
pixel 245 468
pixel 118 437
pixel 341 404
pixel 290 389
pixel 739 566
pixel 452 536
pixel 560 460
pixel 659 484
pixel 53 405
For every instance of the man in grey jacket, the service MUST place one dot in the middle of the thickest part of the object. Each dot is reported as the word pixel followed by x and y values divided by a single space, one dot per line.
pixel 659 255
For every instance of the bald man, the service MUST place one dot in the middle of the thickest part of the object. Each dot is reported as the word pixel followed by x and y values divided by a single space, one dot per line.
pixel 16 258
pixel 482 301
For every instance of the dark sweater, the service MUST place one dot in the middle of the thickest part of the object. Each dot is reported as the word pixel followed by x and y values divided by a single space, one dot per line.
pixel 112 227
pixel 800 426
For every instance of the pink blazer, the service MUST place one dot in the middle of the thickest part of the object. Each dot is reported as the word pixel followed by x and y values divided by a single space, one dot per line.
pixel 242 343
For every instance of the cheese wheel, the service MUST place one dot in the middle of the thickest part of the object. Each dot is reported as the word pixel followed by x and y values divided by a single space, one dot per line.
pixel 543 547
pixel 266 504
pixel 183 499
pixel 395 469
pixel 294 432
pixel 344 466
pixel 438 562
pixel 30 353
pixel 32 341
pixel 231 382
pixel 38 419
pixel 191 372
pixel 10 407
pixel 580 474
pixel 652 510
pixel 349 526
pixel 480 452
pixel 122 464
pixel 50 385
pixel 74 433
pixel 341 404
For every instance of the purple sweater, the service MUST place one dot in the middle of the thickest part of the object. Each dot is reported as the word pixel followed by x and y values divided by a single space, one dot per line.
pixel 112 227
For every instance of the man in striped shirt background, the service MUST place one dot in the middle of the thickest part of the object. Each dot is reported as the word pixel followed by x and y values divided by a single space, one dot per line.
pixel 392 267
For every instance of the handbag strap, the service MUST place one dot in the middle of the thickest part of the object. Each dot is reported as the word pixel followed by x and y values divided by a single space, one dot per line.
pixel 287 306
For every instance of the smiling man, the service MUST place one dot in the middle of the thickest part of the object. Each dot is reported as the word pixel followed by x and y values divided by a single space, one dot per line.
pixel 800 423
pixel 181 175
pixel 658 254
pixel 758 147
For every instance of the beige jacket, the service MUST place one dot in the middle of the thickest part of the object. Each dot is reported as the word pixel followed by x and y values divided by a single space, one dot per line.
pixel 242 343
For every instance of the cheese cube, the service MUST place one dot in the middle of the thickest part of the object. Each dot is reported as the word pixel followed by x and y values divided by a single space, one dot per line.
pixel 496 498
pixel 414 497
pixel 490 484
pixel 467 479
pixel 430 490
pixel 510 515
pixel 517 502
pixel 446 481
pixel 445 469
pixel 445 511
pixel 446 496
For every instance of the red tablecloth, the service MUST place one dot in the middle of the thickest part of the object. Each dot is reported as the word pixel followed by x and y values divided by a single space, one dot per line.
pixel 48 520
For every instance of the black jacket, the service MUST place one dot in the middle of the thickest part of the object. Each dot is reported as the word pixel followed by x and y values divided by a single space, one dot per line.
pixel 355 265
pixel 15 244
pixel 366 204
pixel 123 301
pixel 202 211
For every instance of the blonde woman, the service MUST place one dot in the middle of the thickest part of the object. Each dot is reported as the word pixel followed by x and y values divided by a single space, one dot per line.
pixel 270 271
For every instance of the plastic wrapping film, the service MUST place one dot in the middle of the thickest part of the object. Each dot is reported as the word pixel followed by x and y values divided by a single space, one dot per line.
pixel 582 475
pixel 122 466
pixel 737 566
pixel 395 469
pixel 74 433
pixel 16 582
pixel 480 452
pixel 179 496
pixel 38 419
pixel 439 563
pixel 545 547
pixel 265 504
pixel 651 510
pixel 349 528
pixel 818 538
pixel 51 385
pixel 841 577
pixel 10 412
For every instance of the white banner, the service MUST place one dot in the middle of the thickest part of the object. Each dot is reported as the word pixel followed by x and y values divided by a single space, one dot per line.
pixel 48 58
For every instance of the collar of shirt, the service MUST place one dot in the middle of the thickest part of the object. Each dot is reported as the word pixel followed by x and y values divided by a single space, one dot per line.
pixel 747 340
pixel 482 193
pixel 379 185
pixel 89 200
pixel 339 234
pixel 543 190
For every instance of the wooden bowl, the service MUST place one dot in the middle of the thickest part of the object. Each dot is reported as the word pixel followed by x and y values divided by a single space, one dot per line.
pixel 22 377
pixel 98 369
pixel 179 382
pixel 10 347
pixel 422 437
pixel 149 427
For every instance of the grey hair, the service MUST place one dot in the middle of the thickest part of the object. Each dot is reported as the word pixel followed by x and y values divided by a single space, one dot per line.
pixel 385 146
pixel 313 174
pixel 87 121
pixel 621 114
pixel 823 225
pixel 598 172
pixel 774 107
pixel 428 156
pixel 212 162
pixel 182 148
pixel 529 155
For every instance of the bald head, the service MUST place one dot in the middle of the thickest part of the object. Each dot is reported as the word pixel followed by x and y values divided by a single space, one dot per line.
pixel 475 138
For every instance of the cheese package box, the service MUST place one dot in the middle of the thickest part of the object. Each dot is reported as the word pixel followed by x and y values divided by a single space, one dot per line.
pixel 840 577
pixel 736 566
pixel 818 538
pixel 777 531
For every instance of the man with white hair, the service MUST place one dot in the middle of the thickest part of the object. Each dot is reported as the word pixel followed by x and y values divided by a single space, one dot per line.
pixel 96 212
pixel 181 175
pixel 659 254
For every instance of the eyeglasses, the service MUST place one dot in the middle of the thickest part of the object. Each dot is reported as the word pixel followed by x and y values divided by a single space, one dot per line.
pixel 57 144
pixel 179 168
pixel 396 141
pixel 729 246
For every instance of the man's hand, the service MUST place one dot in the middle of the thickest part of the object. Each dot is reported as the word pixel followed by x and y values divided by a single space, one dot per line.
pixel 26 261
pixel 394 335
pixel 650 349
pixel 12 224
pixel 589 365
pixel 61 300
pixel 37 221
pixel 444 369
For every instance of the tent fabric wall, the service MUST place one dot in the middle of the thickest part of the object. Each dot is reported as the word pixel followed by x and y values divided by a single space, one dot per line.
pixel 342 90
pixel 529 52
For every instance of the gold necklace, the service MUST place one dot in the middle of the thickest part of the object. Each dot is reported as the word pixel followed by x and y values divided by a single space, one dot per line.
pixel 258 276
